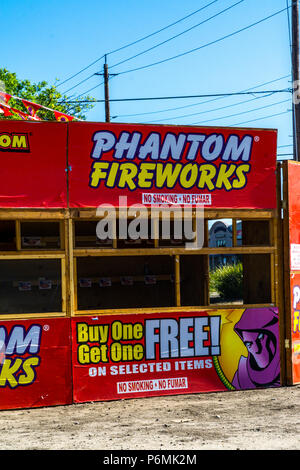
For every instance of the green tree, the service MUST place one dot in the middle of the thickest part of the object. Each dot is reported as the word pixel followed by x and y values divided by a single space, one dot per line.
pixel 43 94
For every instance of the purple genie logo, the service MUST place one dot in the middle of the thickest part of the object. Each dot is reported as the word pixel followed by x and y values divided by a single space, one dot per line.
pixel 258 328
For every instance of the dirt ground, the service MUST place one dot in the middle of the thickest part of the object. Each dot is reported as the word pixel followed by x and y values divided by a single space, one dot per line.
pixel 245 420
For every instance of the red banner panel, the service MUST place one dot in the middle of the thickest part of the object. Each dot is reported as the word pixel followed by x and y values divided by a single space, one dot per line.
pixel 35 363
pixel 294 203
pixel 154 165
pixel 33 164
pixel 295 319
pixel 294 238
pixel 131 356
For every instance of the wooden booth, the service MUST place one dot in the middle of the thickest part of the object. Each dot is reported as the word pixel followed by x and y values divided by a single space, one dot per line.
pixel 110 237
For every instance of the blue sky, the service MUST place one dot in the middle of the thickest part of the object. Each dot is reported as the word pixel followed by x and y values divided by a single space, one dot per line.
pixel 49 40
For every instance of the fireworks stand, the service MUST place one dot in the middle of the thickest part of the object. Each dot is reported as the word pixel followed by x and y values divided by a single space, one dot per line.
pixel 135 313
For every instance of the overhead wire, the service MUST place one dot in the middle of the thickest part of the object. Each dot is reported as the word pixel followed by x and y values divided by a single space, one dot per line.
pixel 97 86
pixel 80 71
pixel 135 42
pixel 187 52
pixel 157 45
pixel 206 45
pixel 177 35
pixel 152 98
pixel 91 89
pixel 259 119
pixel 203 45
pixel 242 112
pixel 160 30
pixel 211 110
pixel 82 81
pixel 218 96
pixel 202 102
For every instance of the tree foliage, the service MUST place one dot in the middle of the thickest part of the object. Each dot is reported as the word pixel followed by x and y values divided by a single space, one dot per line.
pixel 228 281
pixel 44 94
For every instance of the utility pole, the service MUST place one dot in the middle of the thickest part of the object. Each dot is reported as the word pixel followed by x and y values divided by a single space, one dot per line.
pixel 295 73
pixel 106 76
pixel 106 91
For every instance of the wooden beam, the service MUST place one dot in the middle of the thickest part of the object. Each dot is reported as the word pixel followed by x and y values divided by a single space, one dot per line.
pixel 171 251
pixel 177 280
pixel 195 308
pixel 31 255
pixel 18 235
pixel 32 214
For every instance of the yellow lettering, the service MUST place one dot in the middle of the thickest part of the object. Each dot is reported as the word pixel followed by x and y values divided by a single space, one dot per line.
pixel 296 321
pixel 145 175
pixel 225 172
pixel 189 175
pixel 126 352
pixel 208 172
pixel 92 354
pixel 83 354
pixel 138 331
pixel 241 181
pixel 29 376
pixel 167 174
pixel 82 332
pixel 116 352
pixel 111 180
pixel 128 172
pixel 7 372
pixel 126 331
pixel 5 140
pixel 19 141
pixel 98 173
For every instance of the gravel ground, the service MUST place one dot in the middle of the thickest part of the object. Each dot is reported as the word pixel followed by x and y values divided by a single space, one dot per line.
pixel 245 420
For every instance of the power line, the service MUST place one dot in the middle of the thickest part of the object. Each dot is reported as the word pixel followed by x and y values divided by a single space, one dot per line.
pixel 202 102
pixel 136 42
pixel 80 71
pixel 91 89
pixel 177 35
pixel 111 77
pixel 86 92
pixel 151 98
pixel 76 98
pixel 204 45
pixel 242 112
pixel 82 81
pixel 212 110
pixel 259 119
pixel 160 30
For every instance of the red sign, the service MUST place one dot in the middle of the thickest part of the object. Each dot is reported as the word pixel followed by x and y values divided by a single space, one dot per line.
pixel 33 164
pixel 295 325
pixel 294 239
pixel 35 358
pixel 131 356
pixel 154 165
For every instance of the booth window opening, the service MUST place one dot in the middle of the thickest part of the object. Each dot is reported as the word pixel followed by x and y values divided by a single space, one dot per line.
pixel 33 271
pixel 164 274
pixel 144 233
pixel 29 286
pixel 61 266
